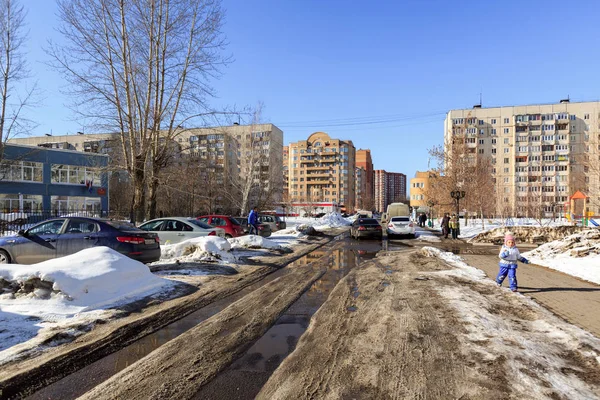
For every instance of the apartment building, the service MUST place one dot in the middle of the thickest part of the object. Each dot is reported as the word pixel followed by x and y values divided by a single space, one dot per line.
pixel 390 187
pixel 322 170
pixel 285 164
pixel 418 189
pixel 541 154
pixel 364 160
pixel 360 189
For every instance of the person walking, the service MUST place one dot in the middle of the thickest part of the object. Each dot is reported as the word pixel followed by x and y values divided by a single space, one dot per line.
pixel 424 220
pixel 253 221
pixel 509 255
pixel 445 224
pixel 454 226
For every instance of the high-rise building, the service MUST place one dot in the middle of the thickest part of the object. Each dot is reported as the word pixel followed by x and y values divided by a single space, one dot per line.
pixel 540 154
pixel 363 160
pixel 360 189
pixel 390 187
pixel 285 163
pixel 321 171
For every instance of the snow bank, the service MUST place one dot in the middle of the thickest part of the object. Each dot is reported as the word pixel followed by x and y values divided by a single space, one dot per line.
pixel 577 255
pixel 331 220
pixel 526 234
pixel 462 268
pixel 253 242
pixel 90 279
pixel 205 248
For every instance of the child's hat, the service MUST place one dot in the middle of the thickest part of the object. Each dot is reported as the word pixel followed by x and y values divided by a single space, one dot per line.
pixel 509 236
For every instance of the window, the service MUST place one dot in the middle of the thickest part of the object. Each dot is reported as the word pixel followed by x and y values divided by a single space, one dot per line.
pixel 493 141
pixel 75 174
pixel 506 130
pixel 586 116
pixel 21 171
pixel 480 122
pixel 48 228
pixel 493 151
pixel 493 131
pixel 506 161
pixel 493 121
pixel 481 131
pixel 506 150
pixel 506 120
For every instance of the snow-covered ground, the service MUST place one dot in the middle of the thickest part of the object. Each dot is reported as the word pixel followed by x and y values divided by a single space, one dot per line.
pixel 577 255
pixel 474 227
pixel 539 337
pixel 67 292
pixel 200 249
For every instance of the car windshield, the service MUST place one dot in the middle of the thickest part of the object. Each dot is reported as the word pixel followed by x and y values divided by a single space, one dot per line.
pixel 368 221
pixel 400 219
pixel 200 224
pixel 122 225
pixel 234 221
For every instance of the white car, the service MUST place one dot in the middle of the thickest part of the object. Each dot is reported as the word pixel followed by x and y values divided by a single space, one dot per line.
pixel 401 226
pixel 176 229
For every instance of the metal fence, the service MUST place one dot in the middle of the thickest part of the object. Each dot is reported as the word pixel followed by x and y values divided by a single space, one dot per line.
pixel 13 221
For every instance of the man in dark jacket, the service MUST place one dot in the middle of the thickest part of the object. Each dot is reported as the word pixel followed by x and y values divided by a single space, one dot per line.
pixel 446 225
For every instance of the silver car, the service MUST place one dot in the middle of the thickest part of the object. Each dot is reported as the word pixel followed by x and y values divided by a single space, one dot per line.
pixel 273 221
pixel 178 229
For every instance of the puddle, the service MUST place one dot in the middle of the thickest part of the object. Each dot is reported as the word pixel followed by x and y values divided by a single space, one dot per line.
pixel 83 380
pixel 385 284
pixel 252 370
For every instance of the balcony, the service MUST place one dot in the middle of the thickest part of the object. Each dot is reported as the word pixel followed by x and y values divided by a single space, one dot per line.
pixel 318 168
pixel 328 160
pixel 318 182
pixel 318 175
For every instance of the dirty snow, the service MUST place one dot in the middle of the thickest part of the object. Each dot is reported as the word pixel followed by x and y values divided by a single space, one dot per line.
pixel 201 249
pixel 474 227
pixel 69 293
pixel 577 255
pixel 253 242
pixel 539 341
pixel 328 221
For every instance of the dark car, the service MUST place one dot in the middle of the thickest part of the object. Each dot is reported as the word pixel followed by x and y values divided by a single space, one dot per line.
pixel 264 230
pixel 230 225
pixel 59 237
pixel 366 227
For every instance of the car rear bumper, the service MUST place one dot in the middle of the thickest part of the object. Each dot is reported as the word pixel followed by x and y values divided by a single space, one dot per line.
pixel 373 234
pixel 401 231
pixel 146 256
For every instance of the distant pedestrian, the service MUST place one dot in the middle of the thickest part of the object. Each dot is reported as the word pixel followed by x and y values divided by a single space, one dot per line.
pixel 445 225
pixel 424 220
pixel 253 221
pixel 509 255
pixel 454 226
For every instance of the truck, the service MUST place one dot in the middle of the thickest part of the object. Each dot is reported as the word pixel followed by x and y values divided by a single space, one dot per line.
pixel 395 210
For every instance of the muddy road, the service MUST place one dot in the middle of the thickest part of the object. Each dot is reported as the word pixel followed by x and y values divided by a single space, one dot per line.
pixel 368 319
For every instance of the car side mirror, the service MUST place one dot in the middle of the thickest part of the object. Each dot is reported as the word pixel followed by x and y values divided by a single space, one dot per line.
pixel 22 232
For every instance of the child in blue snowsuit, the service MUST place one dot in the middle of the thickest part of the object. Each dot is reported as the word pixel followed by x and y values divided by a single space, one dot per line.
pixel 509 255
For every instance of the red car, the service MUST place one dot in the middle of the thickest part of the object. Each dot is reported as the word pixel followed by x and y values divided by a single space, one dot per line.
pixel 229 224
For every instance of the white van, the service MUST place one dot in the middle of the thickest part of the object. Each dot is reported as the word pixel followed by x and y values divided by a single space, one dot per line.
pixel 395 210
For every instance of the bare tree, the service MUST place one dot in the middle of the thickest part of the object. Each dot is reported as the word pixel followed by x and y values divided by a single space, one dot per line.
pixel 13 72
pixel 141 68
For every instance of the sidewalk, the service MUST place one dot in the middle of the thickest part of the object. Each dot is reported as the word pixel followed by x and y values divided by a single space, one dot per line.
pixel 572 299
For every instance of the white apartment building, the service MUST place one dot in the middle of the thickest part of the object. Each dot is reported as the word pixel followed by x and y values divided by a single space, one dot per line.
pixel 541 154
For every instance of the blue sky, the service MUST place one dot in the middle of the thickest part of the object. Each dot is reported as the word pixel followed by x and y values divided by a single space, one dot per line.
pixel 338 66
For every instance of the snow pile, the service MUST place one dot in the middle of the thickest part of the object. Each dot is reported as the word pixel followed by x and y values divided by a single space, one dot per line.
pixel 526 234
pixel 428 237
pixel 90 279
pixel 577 255
pixel 462 268
pixel 205 248
pixel 331 220
pixel 253 242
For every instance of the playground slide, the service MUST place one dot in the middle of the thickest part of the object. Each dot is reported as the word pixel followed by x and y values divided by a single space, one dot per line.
pixel 594 223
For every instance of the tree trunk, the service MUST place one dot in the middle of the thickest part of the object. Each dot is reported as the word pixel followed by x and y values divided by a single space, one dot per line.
pixel 139 191
pixel 152 194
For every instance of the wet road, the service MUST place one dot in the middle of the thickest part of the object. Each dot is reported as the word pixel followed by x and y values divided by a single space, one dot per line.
pixel 254 367
pixel 247 375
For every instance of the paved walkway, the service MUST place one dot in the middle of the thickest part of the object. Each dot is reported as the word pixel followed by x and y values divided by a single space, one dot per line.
pixel 572 299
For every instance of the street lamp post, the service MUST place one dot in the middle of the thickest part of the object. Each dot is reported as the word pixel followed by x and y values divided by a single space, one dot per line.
pixel 457 195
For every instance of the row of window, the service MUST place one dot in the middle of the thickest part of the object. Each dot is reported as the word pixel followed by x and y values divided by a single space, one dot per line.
pixel 61 204
pixel 26 171
pixel 521 118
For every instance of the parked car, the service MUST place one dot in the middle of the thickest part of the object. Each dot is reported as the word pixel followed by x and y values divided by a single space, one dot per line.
pixel 366 227
pixel 230 225
pixel 264 230
pixel 273 221
pixel 177 229
pixel 400 226
pixel 58 237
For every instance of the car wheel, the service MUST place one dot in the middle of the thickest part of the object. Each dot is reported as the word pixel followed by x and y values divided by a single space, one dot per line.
pixel 4 257
pixel 412 236
pixel 228 236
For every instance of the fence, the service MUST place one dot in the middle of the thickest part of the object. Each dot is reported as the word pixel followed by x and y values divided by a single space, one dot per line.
pixel 11 222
